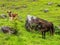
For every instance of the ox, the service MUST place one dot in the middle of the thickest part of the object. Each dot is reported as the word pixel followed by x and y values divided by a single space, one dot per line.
pixel 45 26
pixel 11 15
pixel 39 24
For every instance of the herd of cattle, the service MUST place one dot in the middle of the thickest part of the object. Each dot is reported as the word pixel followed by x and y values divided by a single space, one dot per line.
pixel 31 23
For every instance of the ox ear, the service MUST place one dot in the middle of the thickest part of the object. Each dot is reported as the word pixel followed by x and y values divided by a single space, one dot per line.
pixel 8 11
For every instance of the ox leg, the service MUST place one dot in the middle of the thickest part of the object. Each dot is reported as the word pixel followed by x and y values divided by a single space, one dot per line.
pixel 28 27
pixel 51 33
pixel 10 18
pixel 32 27
pixel 43 35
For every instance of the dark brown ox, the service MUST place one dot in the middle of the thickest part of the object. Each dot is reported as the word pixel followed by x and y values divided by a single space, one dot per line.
pixel 45 26
pixel 39 24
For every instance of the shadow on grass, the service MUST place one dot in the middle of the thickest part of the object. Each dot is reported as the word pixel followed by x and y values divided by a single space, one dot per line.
pixel 57 30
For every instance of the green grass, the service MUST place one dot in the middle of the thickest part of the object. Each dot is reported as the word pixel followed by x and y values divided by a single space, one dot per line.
pixel 24 37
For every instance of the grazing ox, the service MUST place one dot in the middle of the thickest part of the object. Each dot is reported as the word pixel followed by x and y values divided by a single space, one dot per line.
pixel 11 15
pixel 45 26
pixel 39 24
pixel 6 29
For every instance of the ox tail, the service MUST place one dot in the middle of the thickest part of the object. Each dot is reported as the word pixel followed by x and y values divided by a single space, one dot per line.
pixel 52 29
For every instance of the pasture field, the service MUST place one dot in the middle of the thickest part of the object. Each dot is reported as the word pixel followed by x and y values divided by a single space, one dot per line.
pixel 32 7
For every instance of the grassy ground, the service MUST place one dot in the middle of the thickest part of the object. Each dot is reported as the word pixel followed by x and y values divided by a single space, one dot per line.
pixel 34 8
